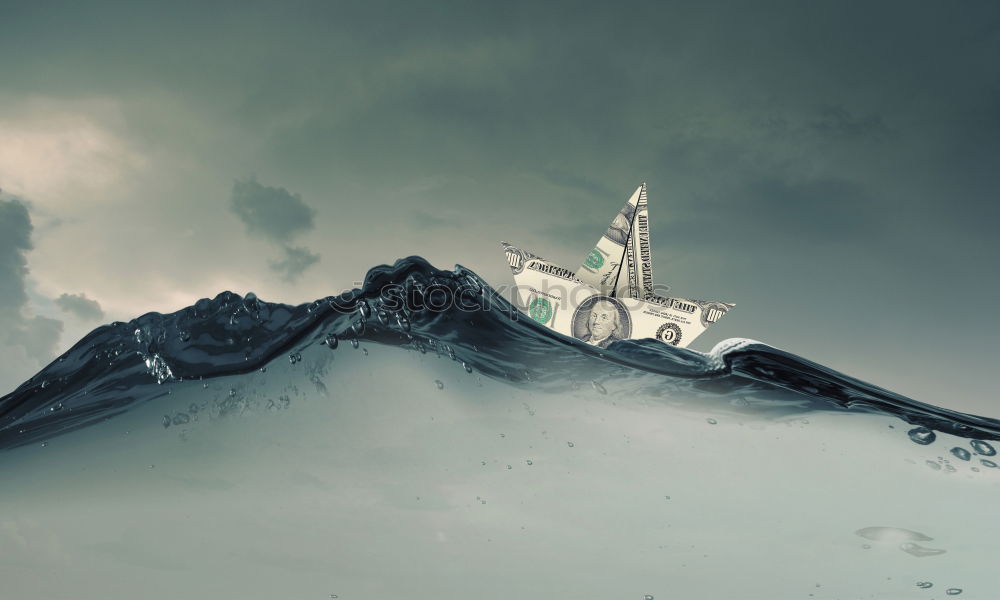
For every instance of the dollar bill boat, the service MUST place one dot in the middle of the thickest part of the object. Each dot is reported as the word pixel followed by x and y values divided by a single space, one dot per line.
pixel 611 296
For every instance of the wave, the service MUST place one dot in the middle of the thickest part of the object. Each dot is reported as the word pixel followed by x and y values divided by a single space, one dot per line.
pixel 416 307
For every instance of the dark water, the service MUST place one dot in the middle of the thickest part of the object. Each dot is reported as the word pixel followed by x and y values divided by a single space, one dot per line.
pixel 416 307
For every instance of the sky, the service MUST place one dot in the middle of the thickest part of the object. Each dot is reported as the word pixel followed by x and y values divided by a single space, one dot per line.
pixel 830 167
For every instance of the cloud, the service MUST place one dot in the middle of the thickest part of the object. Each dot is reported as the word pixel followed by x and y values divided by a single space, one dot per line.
pixel 81 306
pixel 295 262
pixel 39 336
pixel 280 216
pixel 26 343
pixel 15 240
pixel 274 212
pixel 838 121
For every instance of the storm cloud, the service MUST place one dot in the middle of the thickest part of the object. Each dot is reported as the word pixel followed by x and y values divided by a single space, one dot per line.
pixel 15 240
pixel 27 342
pixel 279 216
pixel 296 261
pixel 81 306
pixel 273 212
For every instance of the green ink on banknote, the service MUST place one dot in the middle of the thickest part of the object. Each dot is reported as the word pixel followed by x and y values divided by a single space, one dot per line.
pixel 540 310
pixel 595 260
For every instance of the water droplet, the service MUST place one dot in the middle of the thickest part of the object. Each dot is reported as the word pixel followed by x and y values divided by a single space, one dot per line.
pixel 166 421
pixel 988 463
pixel 711 421
pixel 961 453
pixel 599 388
pixel 922 436
pixel 983 448
pixel 924 585
pixel 467 367
pixel 892 534
pixel 529 462
pixel 358 327
pixel 918 550
pixel 365 351
pixel 183 336
pixel 403 322
pixel 292 359
pixel 439 384
pixel 647 597
pixel 152 466
pixel 570 444
pixel 953 591
pixel 509 467
pixel 364 310
pixel 355 343
pixel 332 341
pixel 181 418
pixel 44 444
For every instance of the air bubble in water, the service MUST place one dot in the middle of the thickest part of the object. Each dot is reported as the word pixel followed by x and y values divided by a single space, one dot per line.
pixel 467 367
pixel 166 421
pixel 982 448
pixel 988 463
pixel 355 343
pixel 953 591
pixel 918 550
pixel 924 585
pixel 922 436
pixel 711 421
pixel 570 444
pixel 365 351
pixel 529 462
pixel 439 384
pixel 599 388
pixel 892 534
pixel 332 342
pixel 961 453
pixel 181 418
pixel 358 327
pixel 647 597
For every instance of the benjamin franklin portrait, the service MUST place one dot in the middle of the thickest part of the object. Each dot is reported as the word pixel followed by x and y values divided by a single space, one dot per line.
pixel 600 320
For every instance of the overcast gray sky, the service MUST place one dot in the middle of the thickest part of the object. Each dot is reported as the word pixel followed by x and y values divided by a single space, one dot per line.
pixel 829 167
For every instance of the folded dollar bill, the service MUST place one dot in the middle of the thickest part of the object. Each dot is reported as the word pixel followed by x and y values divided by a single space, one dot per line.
pixel 611 296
